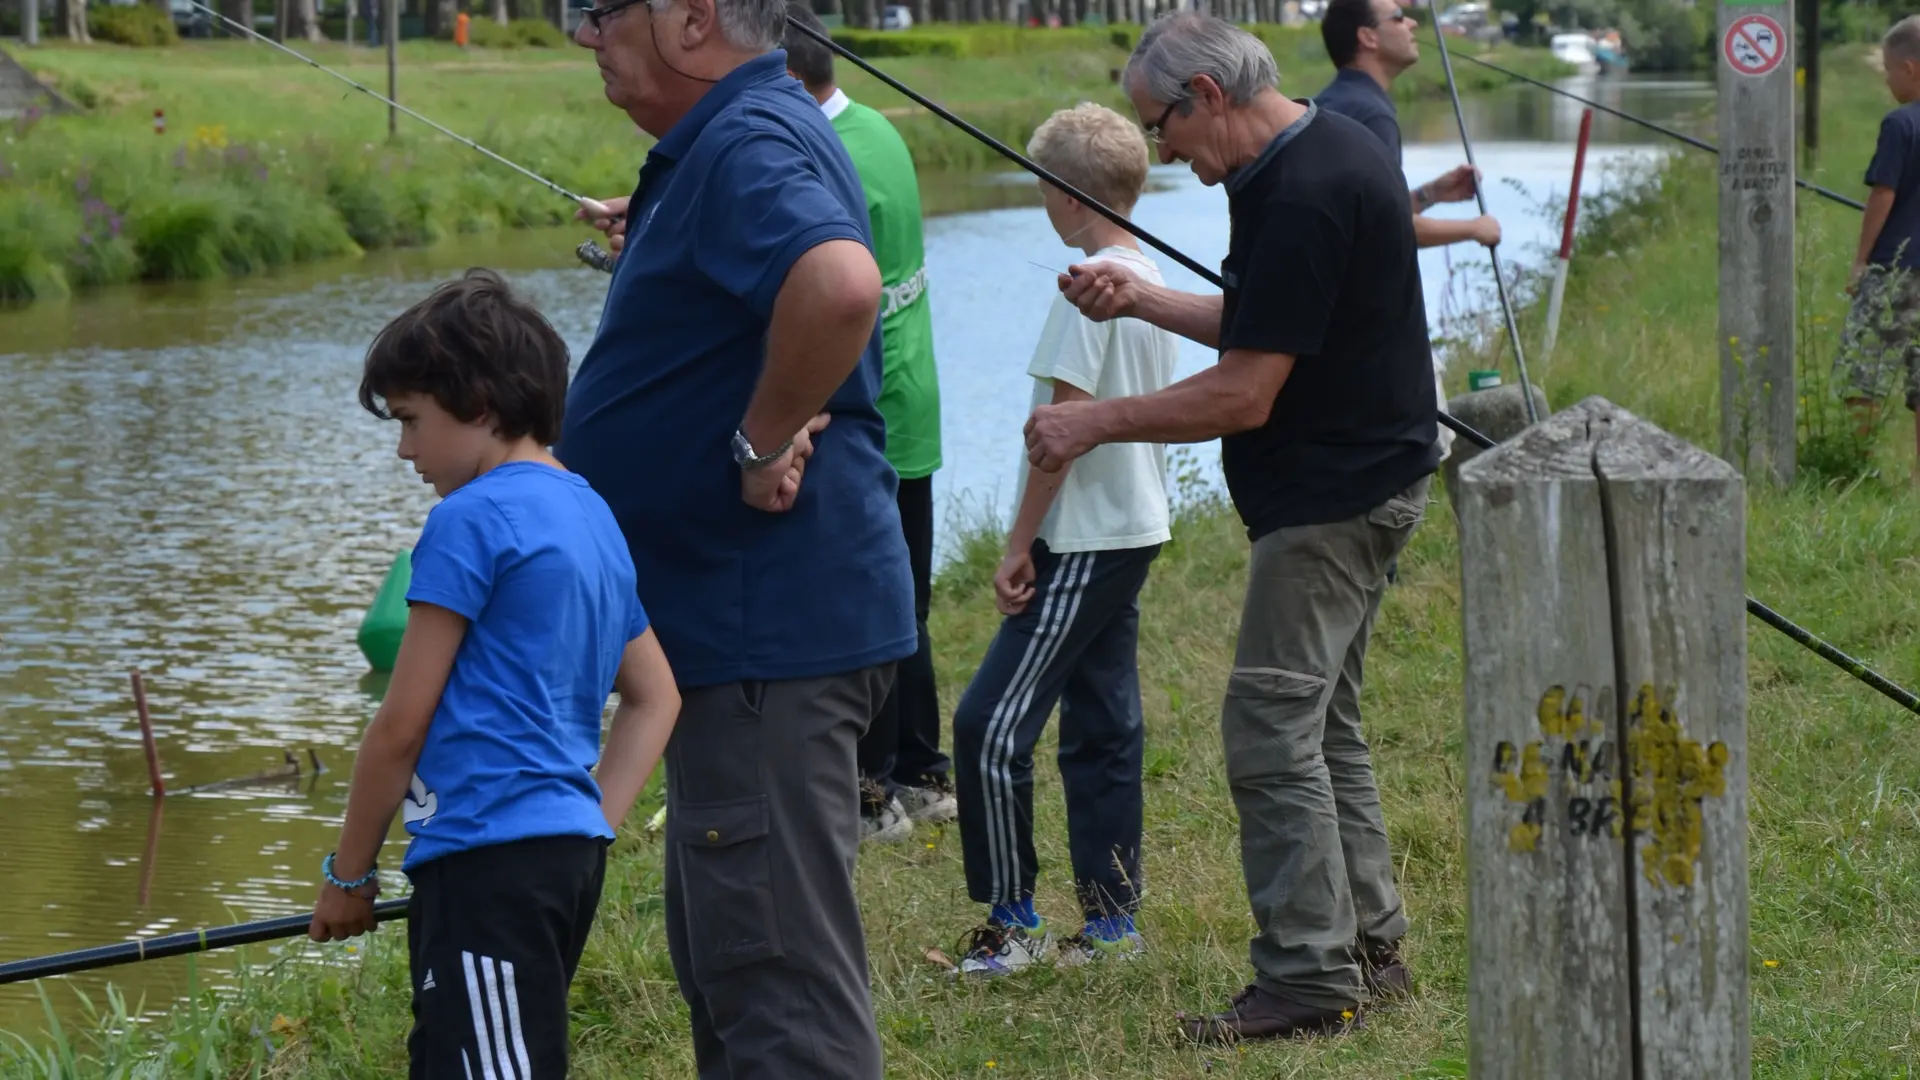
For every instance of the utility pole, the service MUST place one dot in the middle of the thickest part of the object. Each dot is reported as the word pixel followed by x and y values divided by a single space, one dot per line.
pixel 393 70
pixel 1812 101
pixel 1755 60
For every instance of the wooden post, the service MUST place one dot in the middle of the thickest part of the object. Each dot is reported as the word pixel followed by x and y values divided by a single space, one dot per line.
pixel 392 19
pixel 146 733
pixel 1602 566
pixel 1754 49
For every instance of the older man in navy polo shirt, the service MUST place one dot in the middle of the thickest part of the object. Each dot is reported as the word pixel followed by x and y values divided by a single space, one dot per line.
pixel 725 410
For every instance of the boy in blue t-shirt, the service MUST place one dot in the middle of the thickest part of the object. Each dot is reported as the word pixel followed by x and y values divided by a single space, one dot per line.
pixel 522 616
pixel 1881 340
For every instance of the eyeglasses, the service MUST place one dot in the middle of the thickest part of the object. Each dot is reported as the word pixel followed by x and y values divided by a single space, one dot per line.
pixel 1153 129
pixel 595 16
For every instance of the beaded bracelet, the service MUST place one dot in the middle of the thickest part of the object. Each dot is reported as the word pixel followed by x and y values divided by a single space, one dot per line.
pixel 326 867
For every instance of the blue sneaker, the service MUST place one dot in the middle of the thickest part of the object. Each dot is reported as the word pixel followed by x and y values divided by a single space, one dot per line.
pixel 1110 938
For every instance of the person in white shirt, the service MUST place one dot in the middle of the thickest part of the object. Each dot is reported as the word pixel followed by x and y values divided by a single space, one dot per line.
pixel 1069 587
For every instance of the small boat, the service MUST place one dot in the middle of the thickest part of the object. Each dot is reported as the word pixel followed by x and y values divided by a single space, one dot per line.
pixel 1576 50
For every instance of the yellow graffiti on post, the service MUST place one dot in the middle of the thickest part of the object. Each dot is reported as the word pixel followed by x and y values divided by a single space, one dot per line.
pixel 1670 774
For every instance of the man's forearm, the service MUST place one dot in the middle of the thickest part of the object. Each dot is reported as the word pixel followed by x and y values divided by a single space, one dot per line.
pixel 1191 315
pixel 822 320
pixel 1219 401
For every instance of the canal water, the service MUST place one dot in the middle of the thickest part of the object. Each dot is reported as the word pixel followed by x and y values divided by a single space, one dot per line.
pixel 191 490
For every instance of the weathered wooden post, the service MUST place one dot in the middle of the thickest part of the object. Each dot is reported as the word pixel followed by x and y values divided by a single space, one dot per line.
pixel 1755 49
pixel 1602 566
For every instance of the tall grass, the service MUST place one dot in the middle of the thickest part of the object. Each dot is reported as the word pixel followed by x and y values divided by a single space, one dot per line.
pixel 264 162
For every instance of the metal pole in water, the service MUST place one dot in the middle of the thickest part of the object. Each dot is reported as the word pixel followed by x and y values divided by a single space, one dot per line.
pixel 1565 257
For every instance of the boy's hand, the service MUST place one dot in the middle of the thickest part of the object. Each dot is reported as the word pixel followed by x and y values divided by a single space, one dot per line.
pixel 339 915
pixel 1457 185
pixel 1858 271
pixel 1101 290
pixel 775 487
pixel 1059 434
pixel 1486 230
pixel 1013 582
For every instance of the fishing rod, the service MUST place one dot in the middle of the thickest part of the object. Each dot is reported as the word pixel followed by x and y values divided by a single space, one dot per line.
pixel 185 942
pixel 592 206
pixel 1905 698
pixel 1670 133
pixel 1480 196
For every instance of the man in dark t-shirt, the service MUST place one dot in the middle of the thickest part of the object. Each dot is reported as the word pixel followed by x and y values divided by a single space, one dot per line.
pixel 1327 423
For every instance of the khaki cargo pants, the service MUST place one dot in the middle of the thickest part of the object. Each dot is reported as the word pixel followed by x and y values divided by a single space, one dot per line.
pixel 1313 844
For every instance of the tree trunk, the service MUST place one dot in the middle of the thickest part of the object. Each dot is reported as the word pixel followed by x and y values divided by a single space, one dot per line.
pixel 240 11
pixel 500 14
pixel 436 19
pixel 303 19
pixel 922 12
pixel 77 21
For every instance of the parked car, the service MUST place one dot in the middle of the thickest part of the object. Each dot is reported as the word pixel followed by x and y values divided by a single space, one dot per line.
pixel 896 17
pixel 190 21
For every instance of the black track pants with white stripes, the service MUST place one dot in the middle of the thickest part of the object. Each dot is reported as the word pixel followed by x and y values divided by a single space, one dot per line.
pixel 493 937
pixel 1075 644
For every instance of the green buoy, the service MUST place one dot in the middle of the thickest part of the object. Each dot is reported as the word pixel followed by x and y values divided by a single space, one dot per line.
pixel 386 620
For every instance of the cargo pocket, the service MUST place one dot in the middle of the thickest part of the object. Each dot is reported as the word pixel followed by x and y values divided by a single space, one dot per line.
pixel 1267 727
pixel 727 880
pixel 1399 513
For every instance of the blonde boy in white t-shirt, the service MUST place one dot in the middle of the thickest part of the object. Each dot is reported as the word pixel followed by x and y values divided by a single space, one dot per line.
pixel 1076 558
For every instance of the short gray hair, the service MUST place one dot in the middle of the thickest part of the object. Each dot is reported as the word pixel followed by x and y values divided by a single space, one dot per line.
pixel 752 25
pixel 1903 39
pixel 1184 44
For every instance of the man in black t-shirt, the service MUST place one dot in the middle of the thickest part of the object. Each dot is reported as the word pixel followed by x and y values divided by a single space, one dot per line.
pixel 1323 402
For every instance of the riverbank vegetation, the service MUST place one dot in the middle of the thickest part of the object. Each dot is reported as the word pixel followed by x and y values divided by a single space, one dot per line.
pixel 1835 826
pixel 263 162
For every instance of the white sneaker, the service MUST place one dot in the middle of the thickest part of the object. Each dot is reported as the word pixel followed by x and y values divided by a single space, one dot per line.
pixel 996 949
pixel 933 804
pixel 882 818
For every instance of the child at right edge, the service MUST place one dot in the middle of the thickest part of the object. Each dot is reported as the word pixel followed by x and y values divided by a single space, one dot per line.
pixel 1880 344
pixel 1069 587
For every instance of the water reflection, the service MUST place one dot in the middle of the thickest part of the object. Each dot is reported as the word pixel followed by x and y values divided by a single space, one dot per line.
pixel 193 491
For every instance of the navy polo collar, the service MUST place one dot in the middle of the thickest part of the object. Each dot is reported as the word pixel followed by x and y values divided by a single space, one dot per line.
pixel 764 68
pixel 1239 177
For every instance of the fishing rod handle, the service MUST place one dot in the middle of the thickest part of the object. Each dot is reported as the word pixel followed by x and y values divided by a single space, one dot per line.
pixel 189 941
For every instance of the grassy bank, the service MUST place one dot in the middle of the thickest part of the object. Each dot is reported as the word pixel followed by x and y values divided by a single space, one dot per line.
pixel 1835 833
pixel 265 162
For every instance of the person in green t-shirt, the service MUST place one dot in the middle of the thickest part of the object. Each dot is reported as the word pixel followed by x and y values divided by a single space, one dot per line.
pixel 903 773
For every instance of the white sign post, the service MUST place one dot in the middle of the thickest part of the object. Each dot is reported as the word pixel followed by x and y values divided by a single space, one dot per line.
pixel 1756 238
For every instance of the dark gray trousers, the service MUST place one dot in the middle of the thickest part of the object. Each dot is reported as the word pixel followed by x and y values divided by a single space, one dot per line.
pixel 763 822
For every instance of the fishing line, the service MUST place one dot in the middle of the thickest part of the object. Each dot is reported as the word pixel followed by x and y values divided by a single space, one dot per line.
pixel 1480 195
pixel 592 206
pixel 1650 125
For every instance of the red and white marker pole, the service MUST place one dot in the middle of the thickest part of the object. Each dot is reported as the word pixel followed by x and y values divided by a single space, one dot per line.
pixel 1566 237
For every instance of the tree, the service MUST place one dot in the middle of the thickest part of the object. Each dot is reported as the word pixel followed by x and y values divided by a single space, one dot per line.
pixel 76 20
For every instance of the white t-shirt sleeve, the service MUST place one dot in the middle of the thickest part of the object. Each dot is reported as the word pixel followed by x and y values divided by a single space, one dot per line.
pixel 1072 348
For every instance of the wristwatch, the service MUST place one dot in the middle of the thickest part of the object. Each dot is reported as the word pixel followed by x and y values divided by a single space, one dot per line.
pixel 748 461
pixel 1421 199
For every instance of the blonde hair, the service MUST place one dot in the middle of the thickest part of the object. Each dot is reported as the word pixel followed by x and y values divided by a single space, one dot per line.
pixel 1096 150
